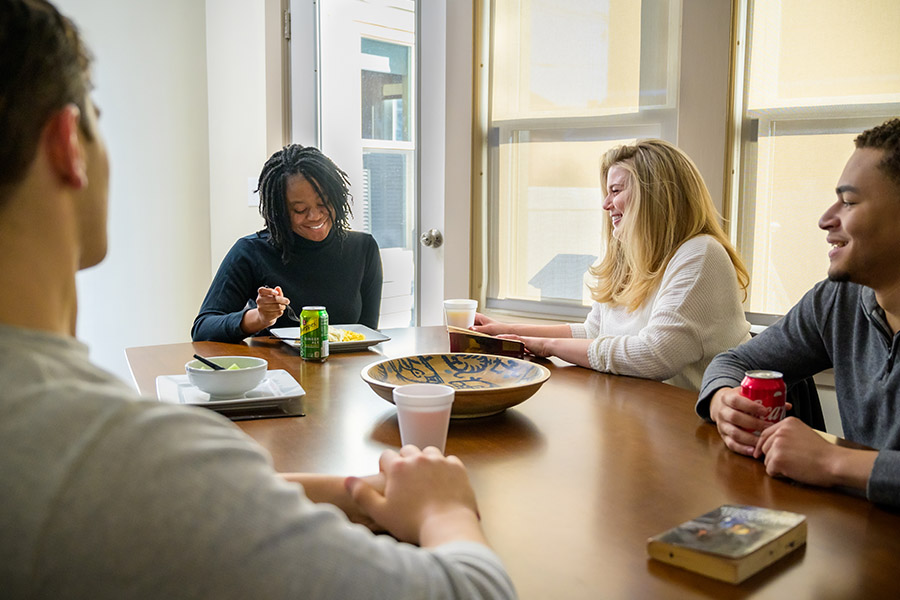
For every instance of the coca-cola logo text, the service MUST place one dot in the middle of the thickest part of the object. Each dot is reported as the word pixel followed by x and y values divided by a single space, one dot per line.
pixel 773 413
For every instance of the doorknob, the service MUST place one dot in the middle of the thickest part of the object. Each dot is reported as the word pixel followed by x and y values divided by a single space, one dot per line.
pixel 433 238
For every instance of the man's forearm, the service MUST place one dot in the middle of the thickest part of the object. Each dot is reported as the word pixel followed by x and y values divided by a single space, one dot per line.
pixel 851 467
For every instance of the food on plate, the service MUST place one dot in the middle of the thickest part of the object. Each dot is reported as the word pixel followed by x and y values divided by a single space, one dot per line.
pixel 336 334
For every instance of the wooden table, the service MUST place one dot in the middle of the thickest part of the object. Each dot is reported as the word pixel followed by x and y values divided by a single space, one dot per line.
pixel 572 482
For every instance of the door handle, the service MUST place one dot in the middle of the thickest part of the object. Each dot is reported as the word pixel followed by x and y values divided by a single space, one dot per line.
pixel 433 238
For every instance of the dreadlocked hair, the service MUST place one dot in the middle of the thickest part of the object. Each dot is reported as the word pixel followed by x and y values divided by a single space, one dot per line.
pixel 329 181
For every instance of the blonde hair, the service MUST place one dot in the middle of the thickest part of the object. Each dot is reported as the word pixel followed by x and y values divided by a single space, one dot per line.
pixel 669 205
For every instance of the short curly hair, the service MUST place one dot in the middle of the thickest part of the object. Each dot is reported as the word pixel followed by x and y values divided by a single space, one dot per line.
pixel 884 137
pixel 44 65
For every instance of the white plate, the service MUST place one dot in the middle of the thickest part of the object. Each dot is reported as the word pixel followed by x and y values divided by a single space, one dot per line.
pixel 276 387
pixel 372 337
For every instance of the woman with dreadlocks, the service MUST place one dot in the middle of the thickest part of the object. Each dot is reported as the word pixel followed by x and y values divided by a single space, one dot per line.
pixel 306 255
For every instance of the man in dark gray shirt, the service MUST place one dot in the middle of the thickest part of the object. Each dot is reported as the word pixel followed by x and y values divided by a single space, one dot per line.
pixel 849 322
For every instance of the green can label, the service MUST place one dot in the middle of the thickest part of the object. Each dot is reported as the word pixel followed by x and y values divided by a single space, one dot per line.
pixel 314 333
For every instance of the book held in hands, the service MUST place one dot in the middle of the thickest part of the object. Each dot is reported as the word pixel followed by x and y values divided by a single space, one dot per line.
pixel 730 543
pixel 466 340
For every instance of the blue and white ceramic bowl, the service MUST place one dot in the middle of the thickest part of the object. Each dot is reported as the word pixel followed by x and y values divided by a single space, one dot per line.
pixel 485 384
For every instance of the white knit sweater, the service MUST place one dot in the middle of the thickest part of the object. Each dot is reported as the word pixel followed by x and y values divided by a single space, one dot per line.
pixel 694 314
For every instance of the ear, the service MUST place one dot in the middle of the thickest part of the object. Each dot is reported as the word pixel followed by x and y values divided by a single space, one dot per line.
pixel 64 147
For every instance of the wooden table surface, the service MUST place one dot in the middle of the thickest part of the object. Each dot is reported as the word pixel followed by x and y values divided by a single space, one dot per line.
pixel 572 482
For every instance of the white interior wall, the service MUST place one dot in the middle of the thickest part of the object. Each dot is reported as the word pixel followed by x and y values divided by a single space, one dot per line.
pixel 150 76
pixel 236 63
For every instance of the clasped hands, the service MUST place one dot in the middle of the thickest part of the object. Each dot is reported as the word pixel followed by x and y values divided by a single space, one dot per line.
pixel 790 448
pixel 419 496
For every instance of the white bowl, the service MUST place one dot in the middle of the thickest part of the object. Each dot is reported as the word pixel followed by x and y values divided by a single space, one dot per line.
pixel 227 383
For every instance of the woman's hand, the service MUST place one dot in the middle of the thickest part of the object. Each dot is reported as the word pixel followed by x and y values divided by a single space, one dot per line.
pixel 489 326
pixel 538 346
pixel 270 305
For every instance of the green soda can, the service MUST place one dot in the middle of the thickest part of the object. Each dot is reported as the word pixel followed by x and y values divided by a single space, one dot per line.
pixel 314 333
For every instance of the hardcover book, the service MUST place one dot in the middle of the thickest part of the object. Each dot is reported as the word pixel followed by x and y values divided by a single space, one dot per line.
pixel 730 543
pixel 466 340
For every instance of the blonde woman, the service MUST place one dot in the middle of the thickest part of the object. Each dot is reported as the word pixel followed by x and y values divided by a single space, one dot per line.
pixel 668 292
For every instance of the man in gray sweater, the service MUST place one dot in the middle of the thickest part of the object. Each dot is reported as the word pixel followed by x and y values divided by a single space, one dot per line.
pixel 105 495
pixel 850 322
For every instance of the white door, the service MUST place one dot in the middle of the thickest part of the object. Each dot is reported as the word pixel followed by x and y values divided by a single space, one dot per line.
pixel 358 82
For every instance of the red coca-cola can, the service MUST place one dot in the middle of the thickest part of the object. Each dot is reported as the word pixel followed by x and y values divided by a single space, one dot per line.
pixel 766 388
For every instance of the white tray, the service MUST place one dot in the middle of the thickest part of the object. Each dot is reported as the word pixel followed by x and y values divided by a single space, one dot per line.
pixel 291 336
pixel 276 388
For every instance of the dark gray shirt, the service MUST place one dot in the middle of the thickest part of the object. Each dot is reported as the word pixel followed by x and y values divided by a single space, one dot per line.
pixel 840 326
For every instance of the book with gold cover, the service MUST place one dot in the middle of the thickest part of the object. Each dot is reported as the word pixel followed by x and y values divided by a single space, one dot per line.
pixel 732 542
pixel 466 340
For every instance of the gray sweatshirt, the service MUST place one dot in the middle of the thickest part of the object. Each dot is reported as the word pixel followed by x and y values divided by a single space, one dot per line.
pixel 107 496
pixel 840 326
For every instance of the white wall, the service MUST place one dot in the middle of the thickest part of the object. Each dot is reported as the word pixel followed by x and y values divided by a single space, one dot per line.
pixel 150 76
pixel 236 61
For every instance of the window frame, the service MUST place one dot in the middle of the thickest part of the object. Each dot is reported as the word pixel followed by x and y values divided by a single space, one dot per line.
pixel 650 121
pixel 746 124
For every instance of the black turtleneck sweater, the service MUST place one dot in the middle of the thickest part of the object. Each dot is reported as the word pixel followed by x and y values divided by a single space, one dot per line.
pixel 344 276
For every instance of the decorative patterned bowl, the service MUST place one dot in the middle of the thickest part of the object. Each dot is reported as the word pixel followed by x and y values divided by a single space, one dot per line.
pixel 485 384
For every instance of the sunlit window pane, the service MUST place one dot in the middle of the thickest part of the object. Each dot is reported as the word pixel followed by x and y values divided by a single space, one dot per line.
pixel 787 252
pixel 534 73
pixel 385 90
pixel 569 80
pixel 819 72
pixel 551 217
pixel 822 52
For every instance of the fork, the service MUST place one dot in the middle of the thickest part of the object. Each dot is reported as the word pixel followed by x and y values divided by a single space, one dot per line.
pixel 291 314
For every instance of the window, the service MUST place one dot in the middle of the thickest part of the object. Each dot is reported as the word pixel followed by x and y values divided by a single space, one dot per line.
pixel 813 75
pixel 388 148
pixel 553 109
pixel 389 162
